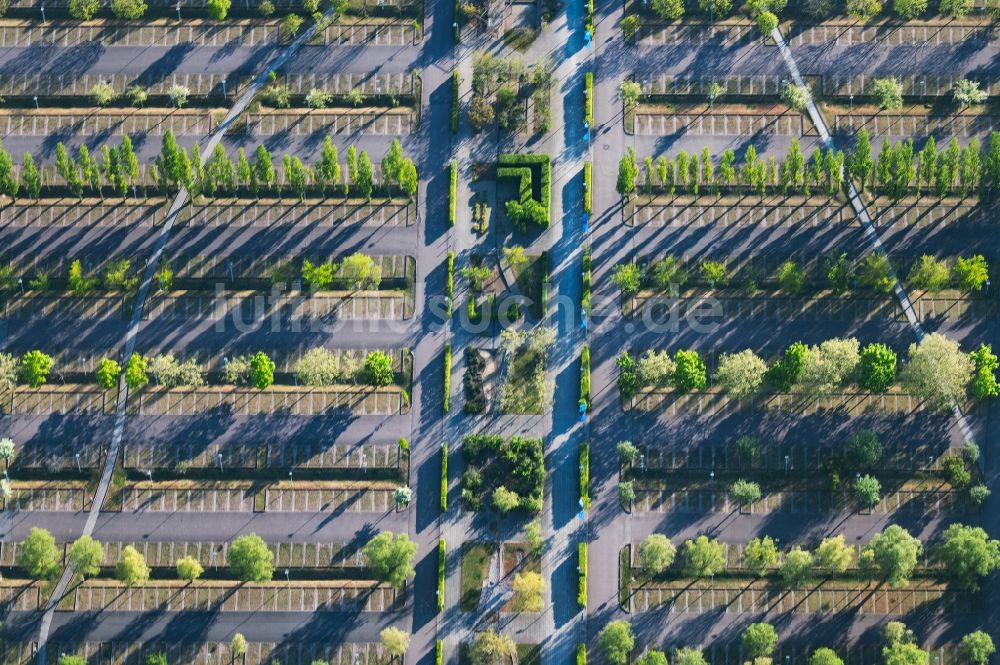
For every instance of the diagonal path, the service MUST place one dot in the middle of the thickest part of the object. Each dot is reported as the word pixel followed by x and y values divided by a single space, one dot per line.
pixel 861 211
pixel 180 200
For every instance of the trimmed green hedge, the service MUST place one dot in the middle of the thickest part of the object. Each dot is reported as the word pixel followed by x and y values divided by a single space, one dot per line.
pixel 439 652
pixel 454 101
pixel 450 282
pixel 581 654
pixel 544 258
pixel 588 98
pixel 585 375
pixel 442 556
pixel 453 193
pixel 581 594
pixel 585 474
pixel 585 296
pixel 588 187
pixel 457 20
pixel 444 477
pixel 524 168
pixel 588 18
pixel 447 378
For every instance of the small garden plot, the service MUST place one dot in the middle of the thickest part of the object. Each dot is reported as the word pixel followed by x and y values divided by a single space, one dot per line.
pixel 533 175
pixel 493 567
pixel 501 88
pixel 524 388
pixel 474 381
pixel 509 473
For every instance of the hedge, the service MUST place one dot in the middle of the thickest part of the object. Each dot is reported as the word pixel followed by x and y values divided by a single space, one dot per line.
pixel 581 654
pixel 585 375
pixel 447 378
pixel 450 282
pixel 444 477
pixel 588 98
pixel 457 20
pixel 439 652
pixel 581 594
pixel 585 474
pixel 585 296
pixel 588 187
pixel 441 574
pixel 454 101
pixel 544 258
pixel 514 165
pixel 453 193
pixel 588 18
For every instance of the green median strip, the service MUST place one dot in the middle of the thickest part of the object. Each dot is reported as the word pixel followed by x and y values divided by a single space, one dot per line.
pixel 581 594
pixel 441 574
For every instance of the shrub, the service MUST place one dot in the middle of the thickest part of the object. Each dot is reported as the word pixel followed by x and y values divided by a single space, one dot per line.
pixel 83 9
pixel 630 25
pixel 455 103
pixel 588 187
pixel 444 477
pixel 585 475
pixel 797 97
pixel 135 372
pixel 442 572
pixel 970 274
pixel 791 277
pixel 864 10
pixel 102 93
pixel 585 376
pixel 929 273
pixel 669 10
pixel 581 563
pixel 984 380
pixel 188 568
pixel 876 273
pixel 588 94
pixel 909 9
pixel 868 491
pixel 957 473
pixel 446 402
pixel 132 568
pixel 865 449
pixel 170 373
pixel 452 192
pixel 745 492
pixel 474 390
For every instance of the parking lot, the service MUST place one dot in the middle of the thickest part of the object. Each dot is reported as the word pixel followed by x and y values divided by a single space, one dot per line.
pixel 915 126
pixel 277 214
pixel 298 555
pixel 54 496
pixel 376 122
pixel 256 306
pixel 188 122
pixel 239 455
pixel 231 597
pixel 47 400
pixel 360 401
pixel 651 123
pixel 187 498
pixel 826 597
pixel 722 35
pixel 847 34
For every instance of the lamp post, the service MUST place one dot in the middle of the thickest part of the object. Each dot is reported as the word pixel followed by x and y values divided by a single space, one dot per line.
pixel 43 12
pixel 149 474
pixel 287 576
pixel 786 463
pixel 76 456
pixel 218 458
pixel 20 282
pixel 178 10
pixel 223 87
pixel 36 102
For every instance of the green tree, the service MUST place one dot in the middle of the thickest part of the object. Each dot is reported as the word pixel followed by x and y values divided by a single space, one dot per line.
pixel 760 554
pixel 787 372
pixel 833 556
pixel 628 169
pixel 927 169
pixel 703 557
pixel 395 641
pixel 35 367
pixel 929 274
pixel 652 657
pixel 626 492
pixel 877 368
pixel 188 568
pixel 38 555
pixel 656 554
pixel 30 176
pixel 296 176
pixel 616 642
pixel 825 656
pixel 964 91
pixel 85 556
pixel 796 567
pixel 9 183
pixel 767 22
pixel 970 274
pixel 244 172
pixel 290 25
pixel 261 370
pixel 690 373
pixel 505 500
pixel 909 9
pixel 392 162
pixel 328 168
pixel 976 648
pixel 83 9
pixel 864 449
pixel 796 97
pixel 527 587
pixel 888 92
pixel 129 10
pixel 263 168
pixel 627 277
pixel 891 555
pixel 968 554
pixel 135 372
pixel 378 369
pixel 391 557
pixel 759 640
pixel 669 10
pixel 365 176
pixel 490 648
pixel 131 567
pixel 864 10
pixel 238 645
pixel 107 373
pixel 861 162
pixel 904 653
pixel 984 381
pixel 360 271
pixel 791 277
pixel 217 9
pixel 688 656
pixel 250 560
pixel 937 372
pixel 740 374
pixel 876 273
pixel 830 366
